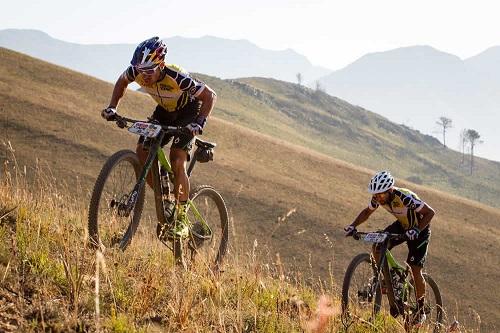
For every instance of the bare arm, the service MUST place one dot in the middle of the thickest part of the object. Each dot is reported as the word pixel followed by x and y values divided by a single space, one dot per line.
pixel 118 91
pixel 207 98
pixel 363 216
pixel 427 215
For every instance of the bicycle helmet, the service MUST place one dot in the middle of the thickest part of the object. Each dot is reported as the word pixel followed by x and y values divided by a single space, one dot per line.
pixel 149 53
pixel 381 182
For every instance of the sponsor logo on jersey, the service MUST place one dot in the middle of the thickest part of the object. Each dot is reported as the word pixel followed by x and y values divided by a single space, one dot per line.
pixel 167 87
pixel 193 90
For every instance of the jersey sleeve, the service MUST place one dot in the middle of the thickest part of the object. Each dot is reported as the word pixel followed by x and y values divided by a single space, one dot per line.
pixel 373 204
pixel 411 201
pixel 190 85
pixel 185 81
pixel 130 74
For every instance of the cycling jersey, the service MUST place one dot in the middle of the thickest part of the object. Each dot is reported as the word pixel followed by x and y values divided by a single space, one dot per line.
pixel 404 205
pixel 173 90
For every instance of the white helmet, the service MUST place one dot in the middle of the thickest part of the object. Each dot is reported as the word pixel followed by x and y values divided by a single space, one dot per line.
pixel 381 182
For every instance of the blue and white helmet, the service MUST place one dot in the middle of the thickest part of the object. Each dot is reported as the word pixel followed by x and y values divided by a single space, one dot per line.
pixel 149 53
pixel 381 182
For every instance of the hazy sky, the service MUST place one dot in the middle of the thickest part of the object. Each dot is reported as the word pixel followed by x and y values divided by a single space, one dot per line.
pixel 330 33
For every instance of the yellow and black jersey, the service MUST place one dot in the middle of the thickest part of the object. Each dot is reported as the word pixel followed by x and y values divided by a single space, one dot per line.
pixel 173 90
pixel 404 205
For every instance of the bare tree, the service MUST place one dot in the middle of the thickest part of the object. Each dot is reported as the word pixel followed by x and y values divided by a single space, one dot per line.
pixel 472 137
pixel 463 143
pixel 299 79
pixel 319 87
pixel 445 123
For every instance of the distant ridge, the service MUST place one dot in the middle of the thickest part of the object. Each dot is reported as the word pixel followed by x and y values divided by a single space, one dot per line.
pixel 417 85
pixel 219 57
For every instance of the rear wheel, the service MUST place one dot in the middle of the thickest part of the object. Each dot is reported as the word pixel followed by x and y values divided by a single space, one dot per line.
pixel 110 223
pixel 208 240
pixel 433 306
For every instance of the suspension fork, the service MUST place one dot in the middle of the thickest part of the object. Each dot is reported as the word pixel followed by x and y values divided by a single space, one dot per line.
pixel 139 186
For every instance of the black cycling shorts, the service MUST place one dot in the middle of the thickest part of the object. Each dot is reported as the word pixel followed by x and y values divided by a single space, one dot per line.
pixel 181 117
pixel 417 249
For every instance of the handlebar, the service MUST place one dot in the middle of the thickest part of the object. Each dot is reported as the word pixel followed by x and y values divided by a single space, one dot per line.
pixel 358 234
pixel 123 121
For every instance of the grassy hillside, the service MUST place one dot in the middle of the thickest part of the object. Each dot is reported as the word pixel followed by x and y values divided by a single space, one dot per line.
pixel 327 124
pixel 53 114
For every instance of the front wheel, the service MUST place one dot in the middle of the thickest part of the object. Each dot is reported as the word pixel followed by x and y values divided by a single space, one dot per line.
pixel 361 293
pixel 112 222
pixel 209 235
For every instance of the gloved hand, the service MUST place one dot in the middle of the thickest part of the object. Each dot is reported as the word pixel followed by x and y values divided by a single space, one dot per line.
pixel 196 127
pixel 412 233
pixel 109 113
pixel 349 230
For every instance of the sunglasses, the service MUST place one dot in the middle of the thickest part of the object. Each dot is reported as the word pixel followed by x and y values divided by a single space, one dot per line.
pixel 147 71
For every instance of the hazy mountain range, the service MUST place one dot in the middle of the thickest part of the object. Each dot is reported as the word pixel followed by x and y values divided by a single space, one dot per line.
pixel 209 55
pixel 416 85
pixel 412 85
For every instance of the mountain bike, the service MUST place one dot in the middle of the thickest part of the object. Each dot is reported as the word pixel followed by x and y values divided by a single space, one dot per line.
pixel 119 192
pixel 365 282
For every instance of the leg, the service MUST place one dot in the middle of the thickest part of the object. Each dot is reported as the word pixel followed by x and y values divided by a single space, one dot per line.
pixel 419 281
pixel 178 158
pixel 376 253
pixel 417 253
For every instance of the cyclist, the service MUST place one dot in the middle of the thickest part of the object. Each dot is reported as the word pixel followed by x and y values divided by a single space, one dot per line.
pixel 182 101
pixel 413 218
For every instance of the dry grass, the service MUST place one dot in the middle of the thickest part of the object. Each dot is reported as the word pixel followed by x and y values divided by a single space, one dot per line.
pixel 51 281
pixel 262 178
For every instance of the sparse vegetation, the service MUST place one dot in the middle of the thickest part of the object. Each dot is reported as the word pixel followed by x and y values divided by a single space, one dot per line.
pixel 51 117
pixel 52 281
pixel 444 123
pixel 472 137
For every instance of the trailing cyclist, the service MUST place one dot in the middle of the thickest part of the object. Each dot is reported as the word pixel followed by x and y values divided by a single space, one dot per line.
pixel 182 101
pixel 413 219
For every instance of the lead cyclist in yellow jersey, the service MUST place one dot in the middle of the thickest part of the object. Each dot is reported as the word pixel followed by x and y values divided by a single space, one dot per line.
pixel 413 219
pixel 182 101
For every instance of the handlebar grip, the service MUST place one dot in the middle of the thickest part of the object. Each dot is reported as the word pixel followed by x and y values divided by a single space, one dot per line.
pixel 120 122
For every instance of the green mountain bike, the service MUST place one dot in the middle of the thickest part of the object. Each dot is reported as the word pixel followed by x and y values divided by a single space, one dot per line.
pixel 365 281
pixel 118 199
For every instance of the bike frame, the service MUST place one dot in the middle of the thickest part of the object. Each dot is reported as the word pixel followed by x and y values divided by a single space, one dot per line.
pixel 385 264
pixel 156 154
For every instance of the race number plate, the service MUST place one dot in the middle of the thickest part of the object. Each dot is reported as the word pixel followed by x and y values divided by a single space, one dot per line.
pixel 145 129
pixel 375 237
